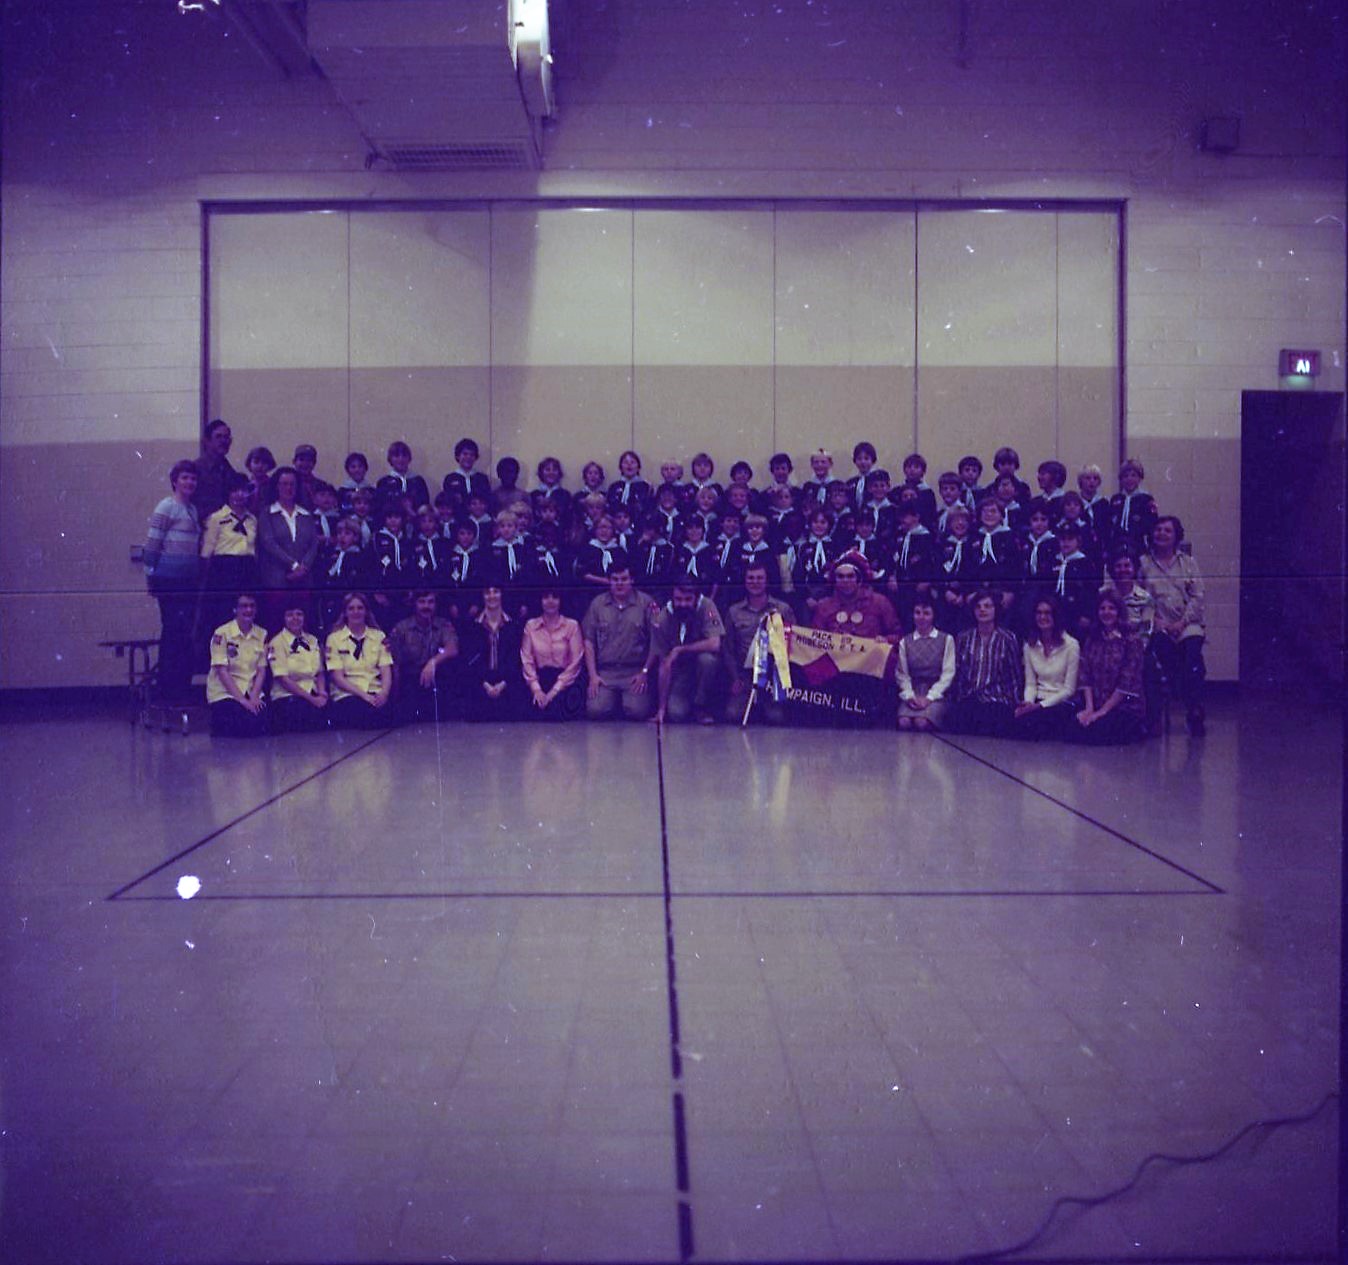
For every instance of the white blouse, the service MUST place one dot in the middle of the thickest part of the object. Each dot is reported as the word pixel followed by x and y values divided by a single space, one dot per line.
pixel 1051 678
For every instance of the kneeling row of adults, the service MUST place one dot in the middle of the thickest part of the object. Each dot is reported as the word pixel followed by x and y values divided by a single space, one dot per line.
pixel 632 658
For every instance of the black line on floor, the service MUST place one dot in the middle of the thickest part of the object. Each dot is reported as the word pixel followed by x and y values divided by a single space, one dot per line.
pixel 685 1231
pixel 680 1144
pixel 1084 816
pixel 536 895
pixel 672 987
pixel 257 808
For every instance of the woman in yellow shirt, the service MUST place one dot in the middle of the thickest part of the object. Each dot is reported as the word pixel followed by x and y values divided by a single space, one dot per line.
pixel 238 671
pixel 360 669
pixel 299 693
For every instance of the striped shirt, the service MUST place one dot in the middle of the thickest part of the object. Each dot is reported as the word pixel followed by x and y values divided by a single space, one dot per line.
pixel 172 541
pixel 988 669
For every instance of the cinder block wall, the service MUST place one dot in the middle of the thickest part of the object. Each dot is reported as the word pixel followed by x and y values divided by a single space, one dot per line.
pixel 121 118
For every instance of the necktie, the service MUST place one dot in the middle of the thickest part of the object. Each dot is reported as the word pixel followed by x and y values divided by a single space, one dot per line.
pixel 240 527
pixel 298 644
pixel 357 645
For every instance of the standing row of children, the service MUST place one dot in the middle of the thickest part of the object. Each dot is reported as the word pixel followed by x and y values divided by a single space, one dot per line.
pixel 392 534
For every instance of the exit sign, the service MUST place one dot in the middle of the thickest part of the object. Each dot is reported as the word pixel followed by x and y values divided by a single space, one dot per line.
pixel 1301 364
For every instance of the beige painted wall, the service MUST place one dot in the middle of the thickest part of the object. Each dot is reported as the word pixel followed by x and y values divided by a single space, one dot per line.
pixel 740 332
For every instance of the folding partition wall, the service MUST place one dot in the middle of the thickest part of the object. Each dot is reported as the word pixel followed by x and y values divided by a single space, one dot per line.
pixel 579 331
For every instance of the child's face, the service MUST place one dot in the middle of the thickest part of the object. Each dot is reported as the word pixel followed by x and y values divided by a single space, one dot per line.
pixel 671 472
pixel 819 525
pixel 950 493
pixel 693 531
pixel 477 506
pixel 989 515
pixel 820 465
pixel 738 496
pixel 443 514
pixel 1073 506
pixel 706 499
pixel 913 471
pixel 959 525
pixel 325 500
pixel 467 458
pixel 781 472
pixel 1045 480
pixel 702 469
pixel 507 528
pixel 629 466
pixel 356 471
pixel 360 503
pixel 863 462
pixel 879 489
pixel 550 472
pixel 780 497
pixel 864 528
pixel 740 476
pixel 1038 523
pixel 1005 491
pixel 1129 480
pixel 393 522
pixel 730 525
pixel 464 534
pixel 1007 465
pixel 401 461
pixel 305 462
pixel 666 497
pixel 547 512
pixel 907 520
pixel 259 467
pixel 1089 483
pixel 969 473
pixel 427 524
pixel 238 500
pixel 622 520
pixel 838 497
pixel 346 538
pixel 1069 542
pixel 754 531
pixel 603 530
pixel 593 475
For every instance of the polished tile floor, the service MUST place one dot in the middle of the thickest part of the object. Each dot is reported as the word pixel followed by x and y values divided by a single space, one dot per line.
pixel 584 994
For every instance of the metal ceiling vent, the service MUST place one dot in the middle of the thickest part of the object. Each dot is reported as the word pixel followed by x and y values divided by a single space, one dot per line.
pixel 440 85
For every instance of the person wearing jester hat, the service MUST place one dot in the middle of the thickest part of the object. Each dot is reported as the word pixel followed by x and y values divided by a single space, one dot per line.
pixel 854 607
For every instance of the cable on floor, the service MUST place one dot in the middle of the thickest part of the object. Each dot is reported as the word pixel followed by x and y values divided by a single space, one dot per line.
pixel 1094 1201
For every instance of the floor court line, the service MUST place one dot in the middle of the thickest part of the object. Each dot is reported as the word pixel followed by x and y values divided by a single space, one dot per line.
pixel 257 808
pixel 823 894
pixel 684 1207
pixel 1084 816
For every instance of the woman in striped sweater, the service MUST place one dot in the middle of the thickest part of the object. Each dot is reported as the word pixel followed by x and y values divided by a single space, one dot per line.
pixel 172 569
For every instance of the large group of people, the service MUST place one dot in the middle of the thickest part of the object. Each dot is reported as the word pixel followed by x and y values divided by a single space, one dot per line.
pixel 1058 612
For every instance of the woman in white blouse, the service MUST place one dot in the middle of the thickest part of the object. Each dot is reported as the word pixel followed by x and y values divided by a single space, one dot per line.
pixel 1052 658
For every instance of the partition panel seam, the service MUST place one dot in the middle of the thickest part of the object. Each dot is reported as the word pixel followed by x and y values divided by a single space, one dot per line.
pixel 775 366
pixel 917 430
pixel 1057 337
pixel 632 337
pixel 349 369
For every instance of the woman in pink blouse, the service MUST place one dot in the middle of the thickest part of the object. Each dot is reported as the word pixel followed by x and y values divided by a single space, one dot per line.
pixel 551 655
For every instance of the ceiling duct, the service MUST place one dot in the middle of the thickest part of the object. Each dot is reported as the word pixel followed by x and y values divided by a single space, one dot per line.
pixel 439 85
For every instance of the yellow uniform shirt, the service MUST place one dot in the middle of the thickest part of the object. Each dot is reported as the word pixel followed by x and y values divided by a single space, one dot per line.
pixel 222 535
pixel 362 669
pixel 238 651
pixel 300 665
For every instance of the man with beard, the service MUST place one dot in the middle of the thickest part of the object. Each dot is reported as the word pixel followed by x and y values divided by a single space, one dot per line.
pixel 216 474
pixel 687 645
